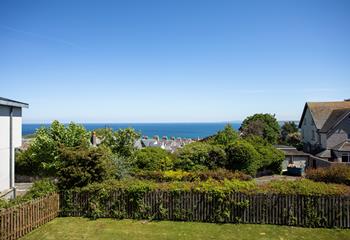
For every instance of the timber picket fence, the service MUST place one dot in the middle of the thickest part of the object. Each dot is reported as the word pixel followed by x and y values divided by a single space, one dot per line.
pixel 295 210
pixel 19 220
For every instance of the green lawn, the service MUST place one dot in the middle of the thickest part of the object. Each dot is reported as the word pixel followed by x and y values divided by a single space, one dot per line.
pixel 82 228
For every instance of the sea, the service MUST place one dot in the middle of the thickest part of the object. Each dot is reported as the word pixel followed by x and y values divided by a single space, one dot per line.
pixel 183 130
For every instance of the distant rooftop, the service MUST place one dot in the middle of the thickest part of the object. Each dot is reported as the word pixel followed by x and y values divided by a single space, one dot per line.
pixel 13 103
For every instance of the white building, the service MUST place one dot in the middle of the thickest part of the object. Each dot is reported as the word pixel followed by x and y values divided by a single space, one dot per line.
pixel 10 138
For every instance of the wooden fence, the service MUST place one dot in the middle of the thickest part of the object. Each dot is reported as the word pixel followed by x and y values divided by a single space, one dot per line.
pixel 296 210
pixel 19 220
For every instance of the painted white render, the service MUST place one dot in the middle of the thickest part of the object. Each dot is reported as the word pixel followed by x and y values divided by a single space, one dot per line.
pixel 10 138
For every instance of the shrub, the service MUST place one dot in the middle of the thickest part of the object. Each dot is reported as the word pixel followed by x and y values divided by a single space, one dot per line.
pixel 304 187
pixel 200 155
pixel 153 158
pixel 179 175
pixel 242 156
pixel 270 157
pixel 39 189
pixel 82 166
pixel 297 187
pixel 338 173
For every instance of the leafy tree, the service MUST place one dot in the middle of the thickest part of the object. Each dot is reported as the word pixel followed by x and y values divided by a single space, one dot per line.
pixel 42 156
pixel 270 157
pixel 120 142
pixel 82 166
pixel 294 139
pixel 241 155
pixel 264 125
pixel 226 136
pixel 153 158
pixel 200 155
pixel 288 128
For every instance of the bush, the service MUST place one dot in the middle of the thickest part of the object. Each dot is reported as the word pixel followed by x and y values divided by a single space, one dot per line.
pixel 270 157
pixel 199 155
pixel 82 166
pixel 242 156
pixel 338 173
pixel 39 189
pixel 153 158
pixel 179 175
pixel 297 187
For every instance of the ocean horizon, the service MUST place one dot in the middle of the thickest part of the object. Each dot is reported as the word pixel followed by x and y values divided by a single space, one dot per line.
pixel 183 130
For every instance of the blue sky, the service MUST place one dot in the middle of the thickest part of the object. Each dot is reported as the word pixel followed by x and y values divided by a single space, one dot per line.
pixel 172 61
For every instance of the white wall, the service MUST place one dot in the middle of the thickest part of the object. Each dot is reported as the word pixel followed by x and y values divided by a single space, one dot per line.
pixel 5 142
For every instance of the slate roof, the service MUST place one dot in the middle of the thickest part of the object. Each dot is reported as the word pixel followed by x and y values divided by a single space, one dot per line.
pixel 12 103
pixel 324 154
pixel 334 119
pixel 322 111
pixel 290 151
pixel 342 147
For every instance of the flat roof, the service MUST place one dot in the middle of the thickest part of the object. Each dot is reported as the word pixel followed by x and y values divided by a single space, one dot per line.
pixel 13 103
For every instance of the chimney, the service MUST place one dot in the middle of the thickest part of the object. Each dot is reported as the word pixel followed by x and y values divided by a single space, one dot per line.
pixel 93 139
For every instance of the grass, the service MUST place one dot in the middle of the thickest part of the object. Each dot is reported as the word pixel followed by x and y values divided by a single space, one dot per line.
pixel 82 228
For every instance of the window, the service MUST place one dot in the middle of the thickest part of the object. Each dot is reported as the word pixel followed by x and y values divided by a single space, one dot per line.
pixel 345 157
pixel 348 135
pixel 313 135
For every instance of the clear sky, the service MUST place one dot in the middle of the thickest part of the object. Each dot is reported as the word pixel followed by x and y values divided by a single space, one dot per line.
pixel 171 61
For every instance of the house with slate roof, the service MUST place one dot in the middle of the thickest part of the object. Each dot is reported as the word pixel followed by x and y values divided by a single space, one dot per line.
pixel 325 128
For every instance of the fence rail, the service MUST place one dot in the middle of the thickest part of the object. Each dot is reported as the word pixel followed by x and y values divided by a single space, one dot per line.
pixel 296 210
pixel 19 220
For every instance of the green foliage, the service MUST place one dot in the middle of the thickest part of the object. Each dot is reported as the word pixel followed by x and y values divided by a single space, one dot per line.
pixel 226 136
pixel 42 156
pixel 199 155
pixel 304 187
pixel 288 128
pixel 179 175
pixel 338 173
pixel 149 200
pixel 263 125
pixel 120 142
pixel 295 140
pixel 39 189
pixel 82 166
pixel 153 158
pixel 242 156
pixel 123 166
pixel 270 157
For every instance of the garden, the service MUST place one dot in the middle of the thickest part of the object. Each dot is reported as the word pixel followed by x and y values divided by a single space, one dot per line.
pixel 210 181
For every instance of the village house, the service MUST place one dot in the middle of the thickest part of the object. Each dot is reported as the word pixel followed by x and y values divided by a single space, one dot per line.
pixel 325 129
pixel 10 138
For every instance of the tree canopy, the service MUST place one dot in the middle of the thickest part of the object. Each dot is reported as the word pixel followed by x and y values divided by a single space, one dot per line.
pixel 263 125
